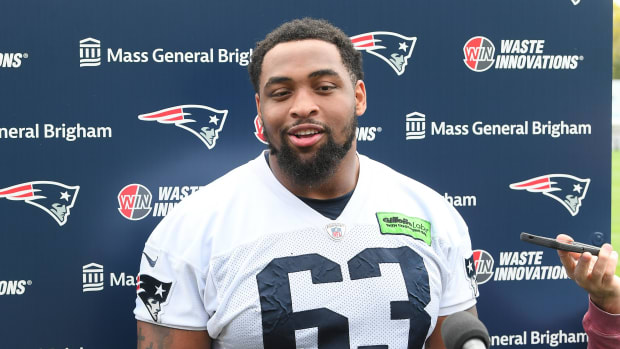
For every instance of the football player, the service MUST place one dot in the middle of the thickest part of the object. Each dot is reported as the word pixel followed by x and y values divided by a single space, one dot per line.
pixel 310 245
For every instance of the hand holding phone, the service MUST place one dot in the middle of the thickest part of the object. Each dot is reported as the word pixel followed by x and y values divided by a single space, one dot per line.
pixel 564 246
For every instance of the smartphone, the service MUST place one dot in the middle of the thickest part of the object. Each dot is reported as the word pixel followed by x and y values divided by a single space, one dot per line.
pixel 553 243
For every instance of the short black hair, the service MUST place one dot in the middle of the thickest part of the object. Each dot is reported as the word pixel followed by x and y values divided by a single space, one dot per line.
pixel 303 29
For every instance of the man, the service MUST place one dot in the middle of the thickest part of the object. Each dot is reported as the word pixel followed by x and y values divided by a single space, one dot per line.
pixel 596 275
pixel 310 244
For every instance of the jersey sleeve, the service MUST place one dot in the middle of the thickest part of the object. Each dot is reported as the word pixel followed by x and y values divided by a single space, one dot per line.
pixel 461 289
pixel 169 292
pixel 172 286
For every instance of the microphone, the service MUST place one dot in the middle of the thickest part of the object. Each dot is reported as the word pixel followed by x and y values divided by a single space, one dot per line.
pixel 463 330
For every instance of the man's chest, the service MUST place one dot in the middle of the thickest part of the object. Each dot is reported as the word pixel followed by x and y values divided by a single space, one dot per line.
pixel 308 289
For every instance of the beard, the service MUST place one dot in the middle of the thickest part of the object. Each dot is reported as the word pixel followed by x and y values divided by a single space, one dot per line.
pixel 322 165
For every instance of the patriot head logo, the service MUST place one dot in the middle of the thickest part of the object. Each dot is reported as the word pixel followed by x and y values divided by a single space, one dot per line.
pixel 394 49
pixel 565 189
pixel 470 271
pixel 479 52
pixel 258 126
pixel 153 293
pixel 55 198
pixel 202 121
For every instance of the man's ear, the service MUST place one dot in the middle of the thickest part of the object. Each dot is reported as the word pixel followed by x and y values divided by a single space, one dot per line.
pixel 257 99
pixel 360 98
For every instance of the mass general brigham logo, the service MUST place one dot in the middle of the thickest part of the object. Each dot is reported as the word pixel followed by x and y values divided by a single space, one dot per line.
pixel 90 52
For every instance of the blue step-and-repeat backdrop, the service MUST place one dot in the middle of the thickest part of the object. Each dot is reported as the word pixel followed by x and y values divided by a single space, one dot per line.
pixel 503 107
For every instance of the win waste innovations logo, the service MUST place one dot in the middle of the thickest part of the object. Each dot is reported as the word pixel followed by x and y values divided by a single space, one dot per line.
pixel 134 201
pixel 515 54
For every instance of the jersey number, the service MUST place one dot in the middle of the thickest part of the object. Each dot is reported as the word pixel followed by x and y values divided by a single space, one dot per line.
pixel 280 322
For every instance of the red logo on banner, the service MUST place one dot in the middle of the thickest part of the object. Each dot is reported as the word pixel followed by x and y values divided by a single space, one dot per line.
pixel 483 261
pixel 134 201
pixel 393 48
pixel 204 122
pixel 479 52
pixel 55 198
pixel 258 125
pixel 566 189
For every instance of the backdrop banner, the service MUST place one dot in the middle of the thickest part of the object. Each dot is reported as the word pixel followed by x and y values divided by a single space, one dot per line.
pixel 502 107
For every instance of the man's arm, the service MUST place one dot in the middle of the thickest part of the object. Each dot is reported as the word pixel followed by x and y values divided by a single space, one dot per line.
pixel 152 336
pixel 435 341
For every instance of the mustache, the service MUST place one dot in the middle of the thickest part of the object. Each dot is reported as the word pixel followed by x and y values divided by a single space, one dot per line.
pixel 325 127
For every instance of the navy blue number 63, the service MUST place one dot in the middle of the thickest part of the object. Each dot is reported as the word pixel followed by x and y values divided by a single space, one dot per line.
pixel 280 322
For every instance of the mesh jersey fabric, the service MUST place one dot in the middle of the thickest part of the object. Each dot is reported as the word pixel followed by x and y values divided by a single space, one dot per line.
pixel 251 263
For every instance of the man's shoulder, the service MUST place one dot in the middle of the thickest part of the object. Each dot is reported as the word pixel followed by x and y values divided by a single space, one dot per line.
pixel 195 211
pixel 389 184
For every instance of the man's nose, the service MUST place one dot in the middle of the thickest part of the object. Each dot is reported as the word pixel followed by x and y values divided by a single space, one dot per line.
pixel 304 104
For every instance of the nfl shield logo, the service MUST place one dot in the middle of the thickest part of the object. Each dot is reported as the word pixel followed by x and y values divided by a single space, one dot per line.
pixel 336 231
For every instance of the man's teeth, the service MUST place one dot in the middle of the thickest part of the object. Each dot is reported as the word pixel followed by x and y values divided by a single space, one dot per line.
pixel 306 133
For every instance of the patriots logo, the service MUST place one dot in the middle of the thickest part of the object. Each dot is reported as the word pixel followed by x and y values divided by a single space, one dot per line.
pixel 565 189
pixel 202 121
pixel 153 293
pixel 54 198
pixel 392 48
pixel 258 126
pixel 470 271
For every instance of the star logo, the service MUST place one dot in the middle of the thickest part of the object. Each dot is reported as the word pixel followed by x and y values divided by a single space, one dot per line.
pixel 154 293
pixel 197 119
pixel 393 48
pixel 55 198
pixel 65 196
pixel 160 291
pixel 470 271
pixel 566 189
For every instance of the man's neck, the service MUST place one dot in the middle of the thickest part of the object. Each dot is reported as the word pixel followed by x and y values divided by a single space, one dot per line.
pixel 341 182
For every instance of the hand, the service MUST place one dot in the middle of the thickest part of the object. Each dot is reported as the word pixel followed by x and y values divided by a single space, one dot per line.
pixel 594 274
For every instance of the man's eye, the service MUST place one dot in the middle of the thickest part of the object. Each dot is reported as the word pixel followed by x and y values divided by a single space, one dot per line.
pixel 279 93
pixel 325 88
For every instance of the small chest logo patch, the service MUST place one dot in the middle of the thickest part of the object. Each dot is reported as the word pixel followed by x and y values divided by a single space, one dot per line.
pixel 336 231
pixel 400 224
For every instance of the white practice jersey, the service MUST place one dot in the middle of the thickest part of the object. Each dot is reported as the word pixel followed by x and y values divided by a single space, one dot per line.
pixel 256 267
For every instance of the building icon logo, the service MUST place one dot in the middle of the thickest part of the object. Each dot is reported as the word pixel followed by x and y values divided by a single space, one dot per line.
pixel 90 52
pixel 92 277
pixel 415 126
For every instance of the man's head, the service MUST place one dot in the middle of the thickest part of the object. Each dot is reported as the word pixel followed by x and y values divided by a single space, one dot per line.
pixel 304 29
pixel 308 98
